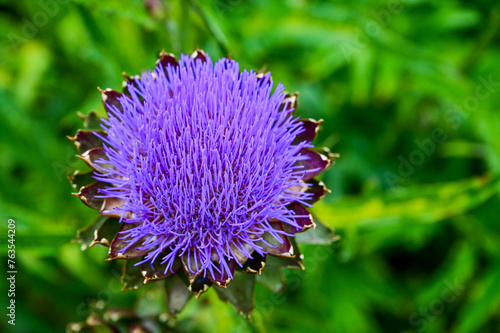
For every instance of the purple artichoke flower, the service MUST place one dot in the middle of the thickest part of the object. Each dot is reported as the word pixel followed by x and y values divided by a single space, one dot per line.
pixel 201 173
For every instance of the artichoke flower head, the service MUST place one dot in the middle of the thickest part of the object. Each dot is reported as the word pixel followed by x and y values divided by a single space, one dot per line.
pixel 202 176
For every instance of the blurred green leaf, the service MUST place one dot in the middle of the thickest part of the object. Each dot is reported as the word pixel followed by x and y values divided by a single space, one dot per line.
pixel 422 204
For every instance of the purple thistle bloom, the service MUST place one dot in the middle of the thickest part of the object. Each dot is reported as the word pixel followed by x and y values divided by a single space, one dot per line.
pixel 201 175
pixel 204 159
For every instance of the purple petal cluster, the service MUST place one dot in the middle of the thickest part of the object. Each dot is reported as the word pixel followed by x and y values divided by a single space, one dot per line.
pixel 203 156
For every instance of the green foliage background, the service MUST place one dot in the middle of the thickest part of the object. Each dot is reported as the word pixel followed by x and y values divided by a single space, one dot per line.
pixel 420 247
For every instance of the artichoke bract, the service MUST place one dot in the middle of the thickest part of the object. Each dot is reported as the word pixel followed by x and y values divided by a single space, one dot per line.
pixel 202 177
